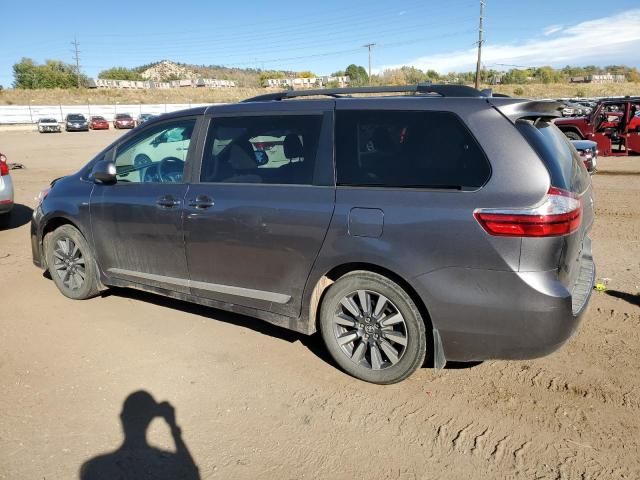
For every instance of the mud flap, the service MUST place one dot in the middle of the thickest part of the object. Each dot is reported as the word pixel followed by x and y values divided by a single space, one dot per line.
pixel 439 361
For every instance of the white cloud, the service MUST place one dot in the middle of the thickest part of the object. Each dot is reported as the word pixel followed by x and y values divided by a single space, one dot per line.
pixel 594 41
pixel 551 29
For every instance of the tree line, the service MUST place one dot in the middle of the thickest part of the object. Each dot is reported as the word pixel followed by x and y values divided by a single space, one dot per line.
pixel 56 74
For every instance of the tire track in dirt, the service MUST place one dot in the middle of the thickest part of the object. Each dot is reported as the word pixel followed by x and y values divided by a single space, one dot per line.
pixel 541 379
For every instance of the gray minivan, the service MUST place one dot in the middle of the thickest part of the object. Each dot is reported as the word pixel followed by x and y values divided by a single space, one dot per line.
pixel 439 221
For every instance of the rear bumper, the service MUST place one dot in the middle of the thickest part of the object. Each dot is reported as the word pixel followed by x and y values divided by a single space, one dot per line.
pixel 486 314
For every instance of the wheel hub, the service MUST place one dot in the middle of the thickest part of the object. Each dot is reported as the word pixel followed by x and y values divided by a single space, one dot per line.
pixel 370 330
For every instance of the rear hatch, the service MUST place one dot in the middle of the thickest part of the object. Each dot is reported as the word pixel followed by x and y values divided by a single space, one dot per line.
pixel 568 173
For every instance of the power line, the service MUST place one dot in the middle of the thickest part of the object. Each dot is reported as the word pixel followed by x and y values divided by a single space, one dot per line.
pixel 76 57
pixel 480 42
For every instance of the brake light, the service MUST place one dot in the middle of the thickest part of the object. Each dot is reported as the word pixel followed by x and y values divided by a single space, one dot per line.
pixel 560 213
pixel 4 168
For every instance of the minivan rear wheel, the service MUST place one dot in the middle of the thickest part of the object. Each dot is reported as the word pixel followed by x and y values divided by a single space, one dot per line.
pixel 372 328
pixel 71 263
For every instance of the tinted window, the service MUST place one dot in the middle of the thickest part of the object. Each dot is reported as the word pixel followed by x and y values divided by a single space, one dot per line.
pixel 565 167
pixel 267 149
pixel 75 117
pixel 156 154
pixel 407 149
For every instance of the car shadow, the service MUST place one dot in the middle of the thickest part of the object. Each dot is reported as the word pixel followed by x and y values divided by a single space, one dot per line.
pixel 627 297
pixel 20 215
pixel 135 458
pixel 312 342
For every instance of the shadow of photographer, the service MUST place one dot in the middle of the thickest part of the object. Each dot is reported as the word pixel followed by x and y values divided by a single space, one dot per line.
pixel 135 458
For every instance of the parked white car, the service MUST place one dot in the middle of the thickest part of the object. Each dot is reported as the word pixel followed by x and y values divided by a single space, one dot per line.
pixel 48 125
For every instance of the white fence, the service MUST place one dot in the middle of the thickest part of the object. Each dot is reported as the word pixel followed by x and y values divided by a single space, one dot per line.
pixel 14 114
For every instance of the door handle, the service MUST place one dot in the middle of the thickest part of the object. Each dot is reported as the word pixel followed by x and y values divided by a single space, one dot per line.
pixel 167 201
pixel 201 202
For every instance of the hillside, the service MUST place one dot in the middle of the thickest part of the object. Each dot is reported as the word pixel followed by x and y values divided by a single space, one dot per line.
pixel 166 70
pixel 206 95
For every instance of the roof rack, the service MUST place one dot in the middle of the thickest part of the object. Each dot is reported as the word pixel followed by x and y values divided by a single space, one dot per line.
pixel 442 90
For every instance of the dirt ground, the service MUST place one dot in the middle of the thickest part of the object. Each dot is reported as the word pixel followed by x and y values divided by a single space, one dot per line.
pixel 255 401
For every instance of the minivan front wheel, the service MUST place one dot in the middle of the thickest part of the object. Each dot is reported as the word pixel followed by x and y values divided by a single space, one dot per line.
pixel 372 328
pixel 71 263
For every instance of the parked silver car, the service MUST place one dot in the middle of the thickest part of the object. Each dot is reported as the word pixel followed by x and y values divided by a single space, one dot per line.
pixel 48 125
pixel 6 190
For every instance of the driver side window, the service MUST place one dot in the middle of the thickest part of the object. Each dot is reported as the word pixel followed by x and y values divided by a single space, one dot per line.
pixel 156 155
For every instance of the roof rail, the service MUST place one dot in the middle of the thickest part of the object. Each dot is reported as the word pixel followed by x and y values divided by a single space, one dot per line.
pixel 442 90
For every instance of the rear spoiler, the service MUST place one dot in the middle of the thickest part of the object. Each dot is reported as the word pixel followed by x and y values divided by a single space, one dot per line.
pixel 516 109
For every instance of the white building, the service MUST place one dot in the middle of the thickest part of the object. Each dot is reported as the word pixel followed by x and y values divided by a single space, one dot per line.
pixel 147 84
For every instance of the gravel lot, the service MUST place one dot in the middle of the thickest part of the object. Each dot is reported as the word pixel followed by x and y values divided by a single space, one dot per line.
pixel 255 401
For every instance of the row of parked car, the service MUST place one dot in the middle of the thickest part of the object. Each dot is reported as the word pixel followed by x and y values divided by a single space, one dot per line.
pixel 77 122
pixel 577 108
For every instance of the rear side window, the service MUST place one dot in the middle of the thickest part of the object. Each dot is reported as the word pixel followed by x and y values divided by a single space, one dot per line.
pixel 408 150
pixel 565 167
pixel 267 149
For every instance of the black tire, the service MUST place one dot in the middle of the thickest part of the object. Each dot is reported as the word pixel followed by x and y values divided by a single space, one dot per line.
pixel 572 135
pixel 68 266
pixel 411 331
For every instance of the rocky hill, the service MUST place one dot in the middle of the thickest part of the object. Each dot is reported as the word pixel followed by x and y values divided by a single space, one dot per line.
pixel 166 70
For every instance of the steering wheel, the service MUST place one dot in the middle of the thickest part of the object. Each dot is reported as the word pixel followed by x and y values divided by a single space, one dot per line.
pixel 170 170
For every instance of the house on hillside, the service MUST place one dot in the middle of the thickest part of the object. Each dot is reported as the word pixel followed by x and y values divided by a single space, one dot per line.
pixel 602 78
pixel 148 84
pixel 300 83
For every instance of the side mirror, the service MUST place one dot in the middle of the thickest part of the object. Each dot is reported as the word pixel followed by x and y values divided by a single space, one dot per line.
pixel 104 173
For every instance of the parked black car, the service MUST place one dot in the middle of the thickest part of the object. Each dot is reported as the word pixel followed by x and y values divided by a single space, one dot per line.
pixel 445 222
pixel 76 122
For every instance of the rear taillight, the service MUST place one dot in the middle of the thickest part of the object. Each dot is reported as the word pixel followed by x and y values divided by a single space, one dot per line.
pixel 560 213
pixel 4 168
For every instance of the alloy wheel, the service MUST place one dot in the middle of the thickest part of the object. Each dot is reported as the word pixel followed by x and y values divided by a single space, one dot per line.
pixel 370 329
pixel 69 263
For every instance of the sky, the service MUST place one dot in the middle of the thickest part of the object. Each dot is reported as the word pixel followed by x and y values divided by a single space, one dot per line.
pixel 321 36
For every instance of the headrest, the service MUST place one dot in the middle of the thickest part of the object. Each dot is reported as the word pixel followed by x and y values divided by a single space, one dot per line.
pixel 293 146
pixel 239 158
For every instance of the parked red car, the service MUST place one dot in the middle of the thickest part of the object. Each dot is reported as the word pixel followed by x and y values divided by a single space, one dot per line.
pixel 124 120
pixel 614 125
pixel 98 123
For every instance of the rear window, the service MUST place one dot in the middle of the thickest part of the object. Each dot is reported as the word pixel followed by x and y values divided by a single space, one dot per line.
pixel 565 167
pixel 403 149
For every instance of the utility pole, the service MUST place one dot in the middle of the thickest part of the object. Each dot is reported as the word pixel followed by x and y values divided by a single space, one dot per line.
pixel 76 57
pixel 369 45
pixel 480 42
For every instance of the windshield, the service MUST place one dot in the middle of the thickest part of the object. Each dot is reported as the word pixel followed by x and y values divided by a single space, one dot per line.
pixel 97 118
pixel 123 116
pixel 75 117
pixel 48 120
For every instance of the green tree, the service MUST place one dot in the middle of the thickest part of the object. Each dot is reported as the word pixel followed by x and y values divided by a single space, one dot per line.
pixel 267 74
pixel 120 73
pixel 52 74
pixel 306 74
pixel 413 75
pixel 357 75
